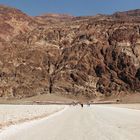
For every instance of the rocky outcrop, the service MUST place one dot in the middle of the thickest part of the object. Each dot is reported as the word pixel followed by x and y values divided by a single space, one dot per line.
pixel 84 56
pixel 14 22
pixel 131 13
pixel 51 19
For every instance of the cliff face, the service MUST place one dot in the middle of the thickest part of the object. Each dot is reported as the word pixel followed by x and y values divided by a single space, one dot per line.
pixel 83 56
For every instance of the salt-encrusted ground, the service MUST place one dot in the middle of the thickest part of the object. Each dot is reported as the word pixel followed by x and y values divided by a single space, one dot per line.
pixel 12 114
pixel 95 122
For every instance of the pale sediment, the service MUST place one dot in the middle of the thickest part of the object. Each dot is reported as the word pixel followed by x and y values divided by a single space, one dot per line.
pixel 14 114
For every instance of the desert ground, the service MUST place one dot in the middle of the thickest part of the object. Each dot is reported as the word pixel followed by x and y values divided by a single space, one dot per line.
pixel 39 99
pixel 98 122
pixel 128 106
pixel 15 114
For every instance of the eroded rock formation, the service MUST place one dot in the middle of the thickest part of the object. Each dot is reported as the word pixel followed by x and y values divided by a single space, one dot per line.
pixel 82 56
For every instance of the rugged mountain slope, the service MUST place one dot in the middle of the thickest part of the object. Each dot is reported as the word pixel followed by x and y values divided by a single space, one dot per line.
pixel 84 56
pixel 13 22
pixel 53 19
pixel 131 13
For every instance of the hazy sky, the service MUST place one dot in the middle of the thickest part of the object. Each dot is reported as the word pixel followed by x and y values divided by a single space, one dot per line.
pixel 73 7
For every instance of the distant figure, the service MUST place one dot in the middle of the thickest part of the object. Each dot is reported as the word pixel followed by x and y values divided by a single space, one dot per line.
pixel 73 103
pixel 118 100
pixel 88 104
pixel 82 105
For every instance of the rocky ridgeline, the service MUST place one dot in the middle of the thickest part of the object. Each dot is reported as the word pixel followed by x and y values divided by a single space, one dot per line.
pixel 80 56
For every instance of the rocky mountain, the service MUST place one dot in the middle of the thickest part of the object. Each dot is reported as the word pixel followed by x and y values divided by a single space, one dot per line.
pixel 131 13
pixel 55 16
pixel 48 19
pixel 13 22
pixel 79 56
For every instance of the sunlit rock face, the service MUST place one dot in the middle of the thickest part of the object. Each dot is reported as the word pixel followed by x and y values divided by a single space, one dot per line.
pixel 80 56
pixel 14 22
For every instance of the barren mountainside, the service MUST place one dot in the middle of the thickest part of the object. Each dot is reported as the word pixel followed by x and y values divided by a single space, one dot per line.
pixel 80 56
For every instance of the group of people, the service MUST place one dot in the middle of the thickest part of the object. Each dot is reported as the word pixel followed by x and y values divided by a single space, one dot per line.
pixel 81 104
